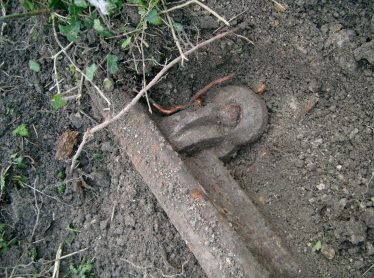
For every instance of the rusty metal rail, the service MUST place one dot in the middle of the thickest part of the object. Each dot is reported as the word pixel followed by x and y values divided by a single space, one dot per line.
pixel 221 226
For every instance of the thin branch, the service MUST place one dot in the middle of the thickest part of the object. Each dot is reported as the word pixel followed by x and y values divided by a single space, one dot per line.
pixel 175 38
pixel 201 5
pixel 56 269
pixel 72 62
pixel 111 120
pixel 10 17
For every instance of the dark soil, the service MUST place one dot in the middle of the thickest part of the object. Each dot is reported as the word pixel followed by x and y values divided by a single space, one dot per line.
pixel 311 173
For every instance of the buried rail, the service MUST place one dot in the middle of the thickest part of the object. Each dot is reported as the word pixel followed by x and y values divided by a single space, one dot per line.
pixel 219 223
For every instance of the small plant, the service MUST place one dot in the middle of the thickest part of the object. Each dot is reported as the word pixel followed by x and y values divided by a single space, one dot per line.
pixel 33 254
pixel 19 179
pixel 21 131
pixel 61 175
pixel 19 161
pixel 34 66
pixel 4 243
pixel 61 189
pixel 317 246
pixel 58 102
pixel 84 270
pixel 98 156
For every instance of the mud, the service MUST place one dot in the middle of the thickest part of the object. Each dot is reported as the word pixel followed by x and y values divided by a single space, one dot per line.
pixel 311 173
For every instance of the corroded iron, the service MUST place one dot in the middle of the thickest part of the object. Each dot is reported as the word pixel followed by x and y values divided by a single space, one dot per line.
pixel 233 116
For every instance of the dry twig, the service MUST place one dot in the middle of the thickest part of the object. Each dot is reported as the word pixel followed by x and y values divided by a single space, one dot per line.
pixel 88 134
pixel 201 5
pixel 56 269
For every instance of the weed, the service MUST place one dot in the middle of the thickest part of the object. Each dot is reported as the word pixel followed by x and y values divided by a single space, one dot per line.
pixel 33 254
pixel 84 270
pixel 61 175
pixel 21 131
pixel 19 161
pixel 98 156
pixel 61 189
pixel 34 66
pixel 19 179
pixel 5 244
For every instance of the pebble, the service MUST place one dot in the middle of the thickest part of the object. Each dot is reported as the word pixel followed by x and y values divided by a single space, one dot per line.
pixel 369 249
pixel 352 231
pixel 328 251
pixel 369 218
pixel 365 51
pixel 321 186
pixel 76 120
pixel 353 133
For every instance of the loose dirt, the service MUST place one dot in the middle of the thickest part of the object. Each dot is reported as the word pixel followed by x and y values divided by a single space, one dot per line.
pixel 311 173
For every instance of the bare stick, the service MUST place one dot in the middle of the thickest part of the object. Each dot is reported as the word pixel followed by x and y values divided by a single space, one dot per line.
pixel 171 27
pixel 6 18
pixel 56 269
pixel 168 66
pixel 201 5
pixel 72 62
pixel 37 210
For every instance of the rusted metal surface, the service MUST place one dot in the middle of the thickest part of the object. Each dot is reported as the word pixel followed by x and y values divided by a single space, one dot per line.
pixel 216 245
pixel 220 224
pixel 232 117
pixel 233 203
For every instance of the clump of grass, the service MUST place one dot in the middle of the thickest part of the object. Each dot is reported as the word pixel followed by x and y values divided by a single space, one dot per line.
pixel 84 270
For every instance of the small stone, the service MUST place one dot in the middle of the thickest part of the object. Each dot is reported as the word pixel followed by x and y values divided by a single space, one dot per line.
pixel 299 163
pixel 328 251
pixel 339 167
pixel 76 120
pixel 369 218
pixel 353 133
pixel 352 231
pixel 369 249
pixel 321 186
pixel 317 142
pixel 365 51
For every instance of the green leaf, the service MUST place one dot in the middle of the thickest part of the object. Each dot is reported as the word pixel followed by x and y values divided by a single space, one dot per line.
pixel 81 3
pixel 28 5
pixel 70 31
pixel 112 64
pixel 97 26
pixel 57 4
pixel 20 162
pixel 90 72
pixel 126 42
pixel 178 27
pixel 154 17
pixel 317 246
pixel 21 131
pixel 58 102
pixel 101 29
pixel 33 65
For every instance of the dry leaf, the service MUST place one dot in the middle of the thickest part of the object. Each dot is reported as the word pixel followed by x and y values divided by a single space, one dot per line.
pixel 66 143
pixel 261 88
